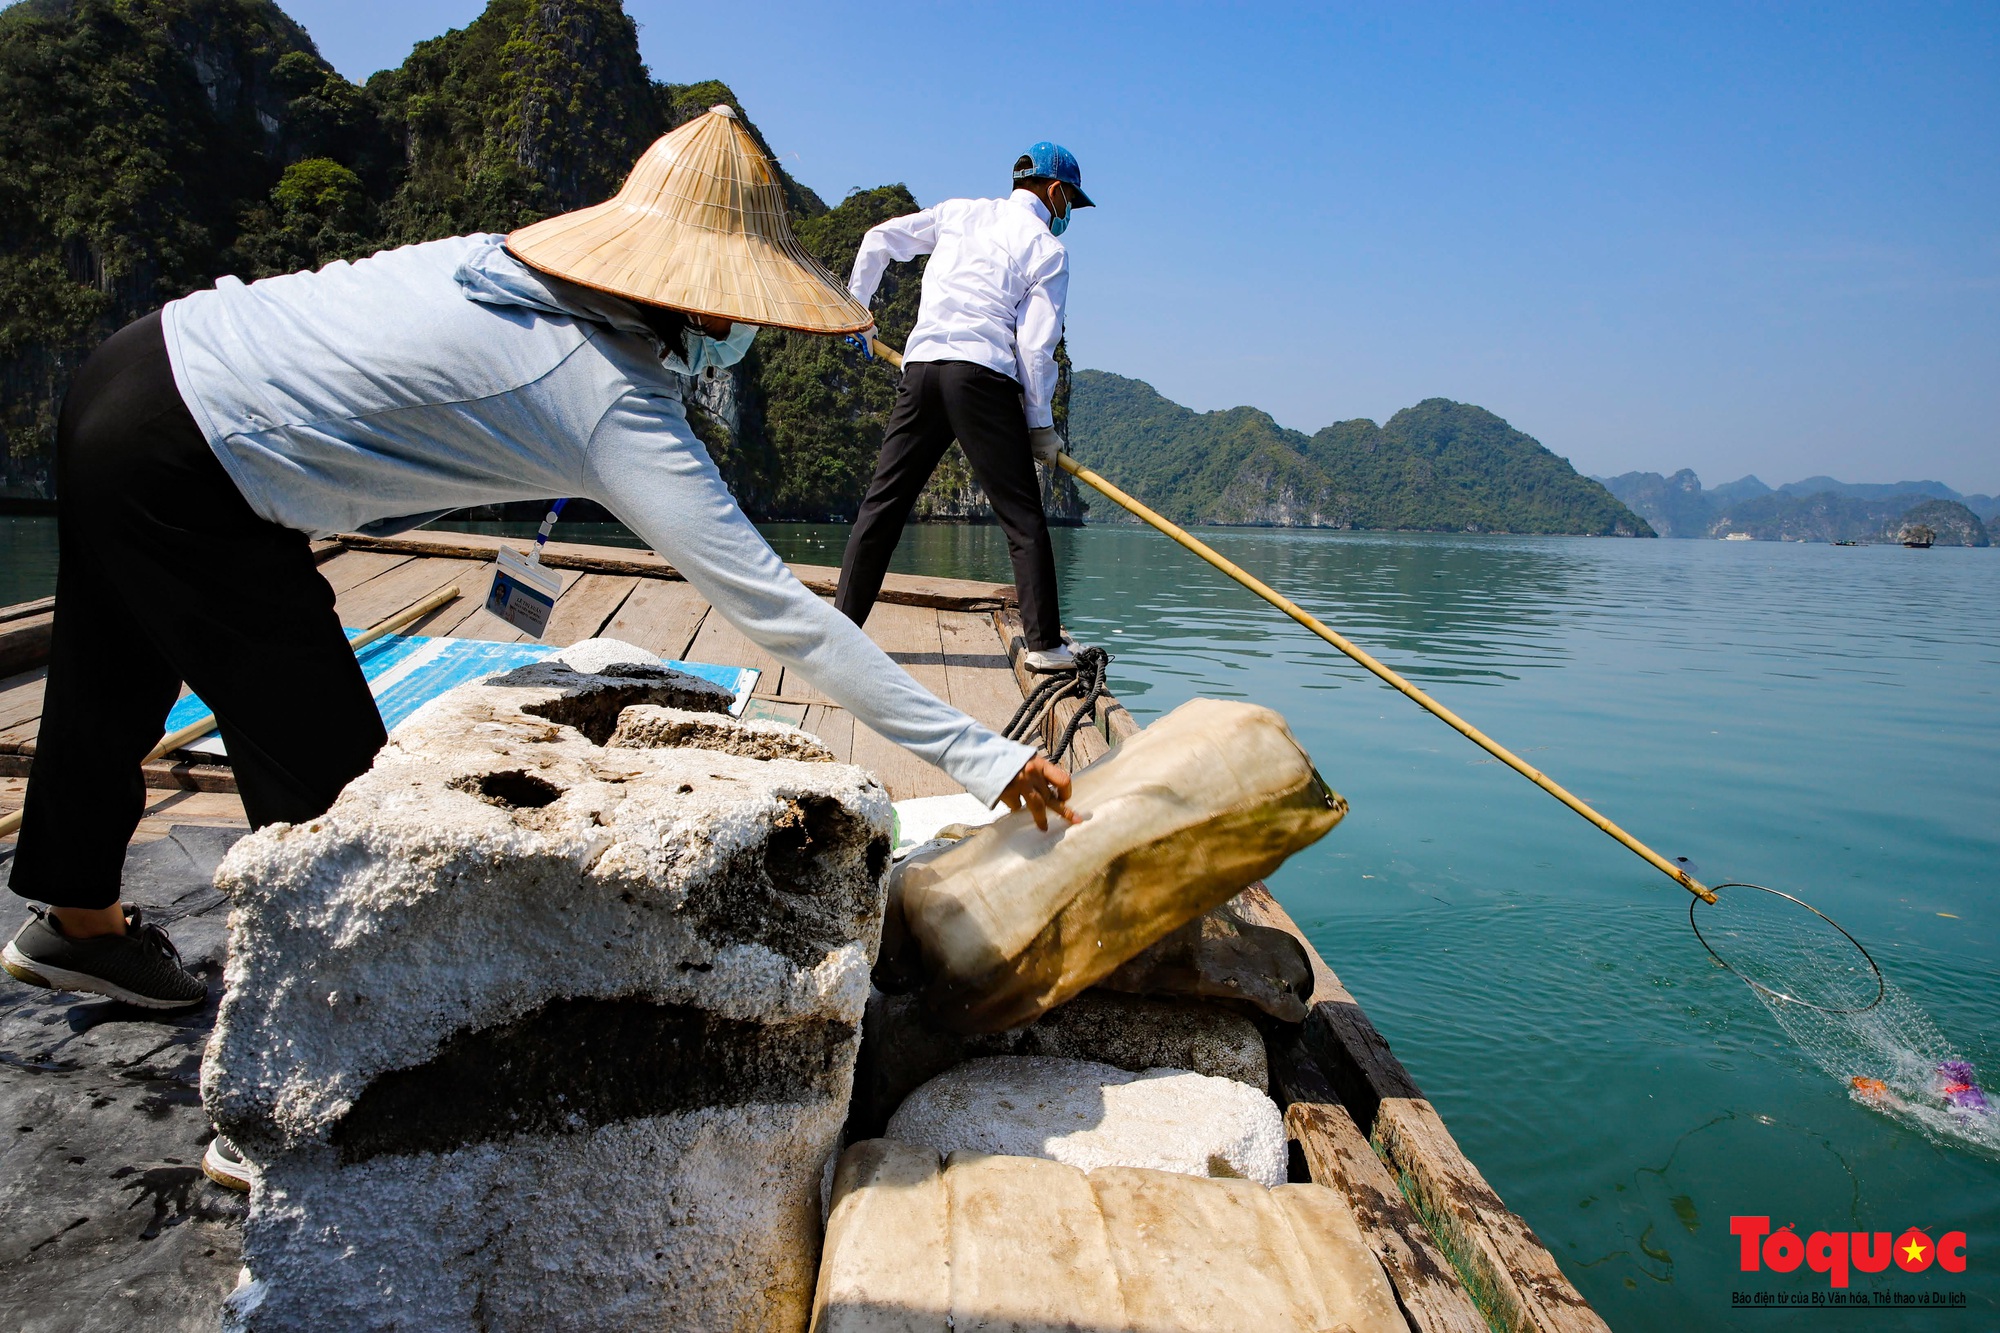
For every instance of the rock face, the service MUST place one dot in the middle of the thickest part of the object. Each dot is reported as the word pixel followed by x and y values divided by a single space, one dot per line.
pixel 531 1031
pixel 1090 1115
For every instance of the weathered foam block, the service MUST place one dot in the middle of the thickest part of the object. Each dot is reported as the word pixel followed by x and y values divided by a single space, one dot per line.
pixel 995 1243
pixel 1090 1115
pixel 528 1032
pixel 1220 956
pixel 903 1046
pixel 1013 920
pixel 650 727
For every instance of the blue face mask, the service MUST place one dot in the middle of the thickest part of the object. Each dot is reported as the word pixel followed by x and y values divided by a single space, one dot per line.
pixel 1060 222
pixel 706 353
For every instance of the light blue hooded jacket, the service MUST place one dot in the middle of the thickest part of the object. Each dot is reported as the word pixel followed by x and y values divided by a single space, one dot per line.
pixel 379 394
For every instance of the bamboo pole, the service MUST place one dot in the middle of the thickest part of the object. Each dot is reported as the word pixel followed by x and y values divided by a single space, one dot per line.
pixel 1394 678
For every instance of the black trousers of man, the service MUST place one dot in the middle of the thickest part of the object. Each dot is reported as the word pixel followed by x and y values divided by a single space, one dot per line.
pixel 166 575
pixel 941 401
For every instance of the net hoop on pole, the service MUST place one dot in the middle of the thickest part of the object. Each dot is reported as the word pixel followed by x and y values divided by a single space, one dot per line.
pixel 1881 986
pixel 1393 678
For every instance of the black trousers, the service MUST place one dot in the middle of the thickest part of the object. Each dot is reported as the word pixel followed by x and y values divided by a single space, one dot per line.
pixel 941 401
pixel 166 575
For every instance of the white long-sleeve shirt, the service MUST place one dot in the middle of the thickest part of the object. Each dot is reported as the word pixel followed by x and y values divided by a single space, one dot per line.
pixel 993 291
pixel 451 374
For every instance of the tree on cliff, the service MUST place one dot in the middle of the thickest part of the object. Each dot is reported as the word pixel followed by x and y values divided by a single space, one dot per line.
pixel 136 136
pixel 154 145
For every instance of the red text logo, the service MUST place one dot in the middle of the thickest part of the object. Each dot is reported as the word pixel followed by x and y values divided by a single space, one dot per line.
pixel 1836 1253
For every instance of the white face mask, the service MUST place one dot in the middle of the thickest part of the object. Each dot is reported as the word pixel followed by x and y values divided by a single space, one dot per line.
pixel 706 353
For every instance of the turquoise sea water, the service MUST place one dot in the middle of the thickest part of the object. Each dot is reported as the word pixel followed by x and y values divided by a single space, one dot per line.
pixel 1820 719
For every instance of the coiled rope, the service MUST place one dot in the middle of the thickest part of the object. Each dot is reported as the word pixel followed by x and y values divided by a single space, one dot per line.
pixel 1086 684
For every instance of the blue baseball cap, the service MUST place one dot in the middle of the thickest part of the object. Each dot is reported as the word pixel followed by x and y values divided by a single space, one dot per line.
pixel 1052 161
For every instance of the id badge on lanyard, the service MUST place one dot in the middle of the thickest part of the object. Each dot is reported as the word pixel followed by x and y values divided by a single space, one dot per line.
pixel 524 593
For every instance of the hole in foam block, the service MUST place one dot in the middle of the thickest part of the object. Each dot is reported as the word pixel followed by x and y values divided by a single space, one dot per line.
pixel 803 890
pixel 592 703
pixel 512 790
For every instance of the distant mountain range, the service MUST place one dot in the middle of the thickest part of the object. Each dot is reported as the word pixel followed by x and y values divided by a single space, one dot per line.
pixel 1815 509
pixel 1440 466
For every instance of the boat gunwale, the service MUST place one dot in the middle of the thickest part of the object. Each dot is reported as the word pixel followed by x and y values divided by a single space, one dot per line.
pixel 1459 1260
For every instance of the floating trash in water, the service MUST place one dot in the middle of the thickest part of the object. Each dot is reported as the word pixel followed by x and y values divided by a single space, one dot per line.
pixel 1831 998
pixel 1960 1091
pixel 1892 1059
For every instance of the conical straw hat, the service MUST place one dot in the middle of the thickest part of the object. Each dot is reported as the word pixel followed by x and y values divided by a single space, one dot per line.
pixel 699 226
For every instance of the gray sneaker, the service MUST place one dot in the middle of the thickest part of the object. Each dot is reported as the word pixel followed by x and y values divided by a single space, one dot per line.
pixel 140 967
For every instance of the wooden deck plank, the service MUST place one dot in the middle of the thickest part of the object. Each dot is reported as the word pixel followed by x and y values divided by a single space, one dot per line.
pixel 25 642
pixel 351 569
pixel 833 725
pixel 977 676
pixel 29 608
pixel 905 775
pixel 910 635
pixel 1427 1288
pixel 722 644
pixel 164 808
pixel 587 606
pixel 378 598
pixel 21 697
pixel 659 616
pixel 1521 1278
pixel 473 581
pixel 905 589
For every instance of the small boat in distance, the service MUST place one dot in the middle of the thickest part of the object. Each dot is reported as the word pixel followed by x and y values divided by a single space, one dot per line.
pixel 1738 537
pixel 1919 536
pixel 1850 543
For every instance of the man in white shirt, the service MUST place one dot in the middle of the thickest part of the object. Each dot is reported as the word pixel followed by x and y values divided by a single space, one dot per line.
pixel 980 368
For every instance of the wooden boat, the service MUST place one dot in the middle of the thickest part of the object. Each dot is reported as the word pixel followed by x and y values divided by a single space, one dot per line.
pixel 1459 1260
pixel 1920 537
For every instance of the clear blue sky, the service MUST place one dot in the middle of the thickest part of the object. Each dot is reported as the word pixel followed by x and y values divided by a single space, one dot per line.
pixel 1739 238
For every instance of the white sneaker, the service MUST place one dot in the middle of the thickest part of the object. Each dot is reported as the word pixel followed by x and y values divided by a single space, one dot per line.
pixel 1051 660
pixel 226 1166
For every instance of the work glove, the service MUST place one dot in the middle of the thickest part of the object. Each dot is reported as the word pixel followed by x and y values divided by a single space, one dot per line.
pixel 865 341
pixel 1045 444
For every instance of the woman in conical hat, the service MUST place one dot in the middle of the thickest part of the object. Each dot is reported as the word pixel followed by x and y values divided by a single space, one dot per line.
pixel 201 448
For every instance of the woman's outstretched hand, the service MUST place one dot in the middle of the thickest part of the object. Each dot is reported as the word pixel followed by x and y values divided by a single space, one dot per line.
pixel 1041 786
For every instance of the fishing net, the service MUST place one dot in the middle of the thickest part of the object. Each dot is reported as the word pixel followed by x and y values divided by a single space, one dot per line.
pixel 1787 950
pixel 1831 999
